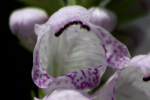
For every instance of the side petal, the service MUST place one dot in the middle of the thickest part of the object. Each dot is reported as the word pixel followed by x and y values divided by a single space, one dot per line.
pixel 116 52
pixel 108 91
pixel 131 86
pixel 142 62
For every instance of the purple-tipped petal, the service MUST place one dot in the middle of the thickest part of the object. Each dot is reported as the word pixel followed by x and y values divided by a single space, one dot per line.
pixel 22 23
pixel 108 91
pixel 116 52
pixel 103 18
pixel 67 52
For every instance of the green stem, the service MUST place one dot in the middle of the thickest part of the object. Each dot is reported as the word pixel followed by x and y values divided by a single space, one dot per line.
pixel 71 2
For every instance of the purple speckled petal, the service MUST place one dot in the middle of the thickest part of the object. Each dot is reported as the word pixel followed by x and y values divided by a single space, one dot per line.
pixel 67 53
pixel 108 91
pixel 39 75
pixel 116 52
pixel 87 78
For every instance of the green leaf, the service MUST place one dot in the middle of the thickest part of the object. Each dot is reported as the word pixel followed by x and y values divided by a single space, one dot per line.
pixel 49 5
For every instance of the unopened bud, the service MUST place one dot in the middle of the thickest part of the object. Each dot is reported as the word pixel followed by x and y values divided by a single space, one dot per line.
pixel 22 23
pixel 103 18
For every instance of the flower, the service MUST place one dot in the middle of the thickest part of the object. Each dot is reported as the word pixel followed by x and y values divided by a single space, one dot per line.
pixel 103 17
pixel 72 52
pixel 22 23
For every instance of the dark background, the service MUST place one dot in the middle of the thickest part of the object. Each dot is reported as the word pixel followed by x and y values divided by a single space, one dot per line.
pixel 19 59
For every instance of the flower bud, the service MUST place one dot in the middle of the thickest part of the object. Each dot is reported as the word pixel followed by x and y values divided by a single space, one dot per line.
pixel 22 23
pixel 103 18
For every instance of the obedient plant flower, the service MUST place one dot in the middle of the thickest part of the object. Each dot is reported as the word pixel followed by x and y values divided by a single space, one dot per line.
pixel 22 23
pixel 71 52
pixel 103 17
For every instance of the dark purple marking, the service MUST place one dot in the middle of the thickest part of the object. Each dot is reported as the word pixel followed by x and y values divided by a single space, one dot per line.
pixel 109 41
pixel 83 73
pixel 57 34
pixel 104 48
pixel 146 79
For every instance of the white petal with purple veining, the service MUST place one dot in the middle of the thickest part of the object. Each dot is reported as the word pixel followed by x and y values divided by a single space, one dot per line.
pixel 116 52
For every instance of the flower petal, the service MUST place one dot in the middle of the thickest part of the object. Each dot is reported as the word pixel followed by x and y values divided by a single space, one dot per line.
pixel 116 52
pixel 66 94
pixel 131 86
pixel 108 91
pixel 68 51
pixel 142 62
